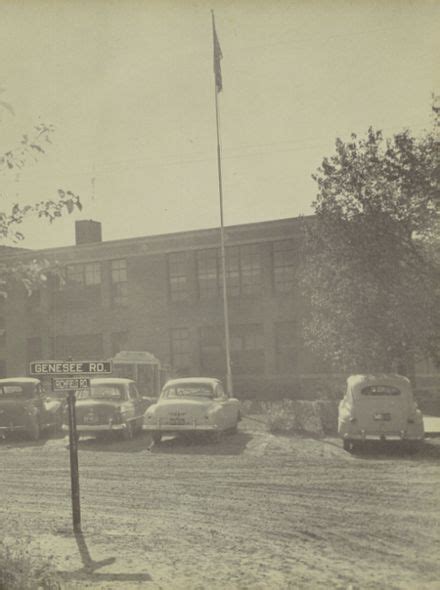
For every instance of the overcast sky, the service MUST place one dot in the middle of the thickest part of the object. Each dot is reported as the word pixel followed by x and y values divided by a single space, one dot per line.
pixel 129 86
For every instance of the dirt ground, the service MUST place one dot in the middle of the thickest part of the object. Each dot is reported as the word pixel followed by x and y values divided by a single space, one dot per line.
pixel 255 511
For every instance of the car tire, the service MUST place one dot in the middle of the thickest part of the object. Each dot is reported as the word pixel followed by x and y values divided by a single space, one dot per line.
pixel 234 429
pixel 348 445
pixel 157 437
pixel 34 431
pixel 128 431
pixel 217 437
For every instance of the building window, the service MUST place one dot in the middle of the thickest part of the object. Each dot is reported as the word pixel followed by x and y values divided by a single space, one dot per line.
pixel 208 273
pixel 119 282
pixel 284 265
pixel 247 348
pixel 33 349
pixel 77 346
pixel 212 356
pixel 119 341
pixel 75 274
pixel 86 277
pixel 250 269
pixel 243 271
pixel 177 276
pixel 286 341
pixel 180 350
pixel 92 274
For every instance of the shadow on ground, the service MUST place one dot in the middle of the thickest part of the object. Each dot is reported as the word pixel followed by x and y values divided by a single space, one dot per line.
pixel 19 440
pixel 88 571
pixel 230 444
pixel 426 450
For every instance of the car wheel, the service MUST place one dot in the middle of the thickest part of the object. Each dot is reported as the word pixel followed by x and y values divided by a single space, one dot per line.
pixel 348 445
pixel 234 429
pixel 34 430
pixel 157 437
pixel 128 431
pixel 413 446
pixel 217 437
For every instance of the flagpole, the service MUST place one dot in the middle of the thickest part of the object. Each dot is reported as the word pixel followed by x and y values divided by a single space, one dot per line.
pixel 217 89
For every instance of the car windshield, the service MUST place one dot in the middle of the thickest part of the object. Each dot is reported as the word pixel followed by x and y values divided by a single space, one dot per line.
pixel 14 390
pixel 188 391
pixel 380 390
pixel 110 392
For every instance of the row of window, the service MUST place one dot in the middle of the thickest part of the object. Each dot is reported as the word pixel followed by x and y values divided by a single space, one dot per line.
pixel 243 273
pixel 246 347
pixel 87 278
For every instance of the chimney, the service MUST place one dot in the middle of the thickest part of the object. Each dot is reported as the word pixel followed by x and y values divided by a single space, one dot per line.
pixel 87 231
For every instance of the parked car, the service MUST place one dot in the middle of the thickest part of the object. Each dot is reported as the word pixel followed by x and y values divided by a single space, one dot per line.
pixel 109 405
pixel 380 407
pixel 26 407
pixel 192 405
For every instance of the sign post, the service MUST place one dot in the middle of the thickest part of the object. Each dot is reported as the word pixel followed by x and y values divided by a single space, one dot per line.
pixel 74 471
pixel 69 376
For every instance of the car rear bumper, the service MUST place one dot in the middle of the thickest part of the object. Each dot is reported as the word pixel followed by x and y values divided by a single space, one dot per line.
pixel 180 428
pixel 383 436
pixel 96 427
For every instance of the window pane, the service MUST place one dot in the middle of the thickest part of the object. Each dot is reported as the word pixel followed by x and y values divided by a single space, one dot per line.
pixel 284 265
pixel 119 286
pixel 177 279
pixel 180 349
pixel 93 273
pixel 247 348
pixel 208 273
pixel 75 273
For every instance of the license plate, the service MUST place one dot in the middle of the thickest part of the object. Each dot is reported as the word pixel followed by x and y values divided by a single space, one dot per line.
pixel 90 419
pixel 177 421
pixel 384 417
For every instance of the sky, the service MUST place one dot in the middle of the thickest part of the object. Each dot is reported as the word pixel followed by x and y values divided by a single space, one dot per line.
pixel 129 87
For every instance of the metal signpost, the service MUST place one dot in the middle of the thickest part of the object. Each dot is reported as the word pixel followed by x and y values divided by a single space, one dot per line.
pixel 70 376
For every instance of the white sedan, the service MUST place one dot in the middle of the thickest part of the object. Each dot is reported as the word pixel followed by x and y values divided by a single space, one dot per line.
pixel 192 405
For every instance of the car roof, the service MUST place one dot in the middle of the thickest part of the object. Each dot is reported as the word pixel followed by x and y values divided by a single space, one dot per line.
pixel 110 380
pixel 19 380
pixel 378 378
pixel 183 380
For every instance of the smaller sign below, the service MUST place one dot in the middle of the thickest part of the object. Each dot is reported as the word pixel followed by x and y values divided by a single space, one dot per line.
pixel 69 383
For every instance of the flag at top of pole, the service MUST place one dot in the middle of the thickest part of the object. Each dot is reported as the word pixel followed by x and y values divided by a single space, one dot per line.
pixel 217 57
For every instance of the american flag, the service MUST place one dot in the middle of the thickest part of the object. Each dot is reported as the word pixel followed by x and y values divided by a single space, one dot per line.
pixel 217 57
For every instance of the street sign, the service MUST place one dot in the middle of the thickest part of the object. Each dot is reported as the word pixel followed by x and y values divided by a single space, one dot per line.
pixel 70 367
pixel 68 383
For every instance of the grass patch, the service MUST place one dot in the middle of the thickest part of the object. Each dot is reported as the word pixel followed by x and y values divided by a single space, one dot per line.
pixel 21 570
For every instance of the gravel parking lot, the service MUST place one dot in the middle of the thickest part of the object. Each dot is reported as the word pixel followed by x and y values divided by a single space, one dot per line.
pixel 255 511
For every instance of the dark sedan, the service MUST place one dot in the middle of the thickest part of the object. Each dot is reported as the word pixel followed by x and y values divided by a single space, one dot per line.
pixel 109 405
pixel 25 407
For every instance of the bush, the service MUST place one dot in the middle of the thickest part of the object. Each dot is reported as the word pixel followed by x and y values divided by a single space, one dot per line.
pixel 19 570
pixel 288 416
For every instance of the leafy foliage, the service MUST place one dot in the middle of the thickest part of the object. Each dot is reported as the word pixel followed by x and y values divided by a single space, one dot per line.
pixel 371 274
pixel 29 149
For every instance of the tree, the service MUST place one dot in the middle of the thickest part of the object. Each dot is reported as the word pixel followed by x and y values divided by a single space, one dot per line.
pixel 371 274
pixel 29 148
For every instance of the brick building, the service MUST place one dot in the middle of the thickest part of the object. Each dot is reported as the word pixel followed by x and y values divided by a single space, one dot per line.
pixel 163 294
